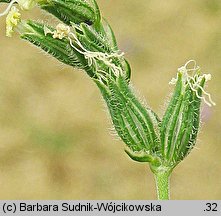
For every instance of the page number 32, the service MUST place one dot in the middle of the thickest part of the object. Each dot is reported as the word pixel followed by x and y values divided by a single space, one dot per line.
pixel 211 207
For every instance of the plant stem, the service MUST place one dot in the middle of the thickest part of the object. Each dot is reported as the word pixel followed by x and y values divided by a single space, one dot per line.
pixel 162 184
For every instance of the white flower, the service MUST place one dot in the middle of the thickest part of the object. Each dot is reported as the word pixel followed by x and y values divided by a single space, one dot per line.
pixel 12 20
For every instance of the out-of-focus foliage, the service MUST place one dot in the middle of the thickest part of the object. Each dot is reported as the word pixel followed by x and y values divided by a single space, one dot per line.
pixel 54 141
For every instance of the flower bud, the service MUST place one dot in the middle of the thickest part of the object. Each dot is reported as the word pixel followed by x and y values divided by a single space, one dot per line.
pixel 148 139
pixel 136 125
pixel 61 49
pixel 181 121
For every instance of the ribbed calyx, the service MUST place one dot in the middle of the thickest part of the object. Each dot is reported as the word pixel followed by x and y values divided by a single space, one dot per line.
pixel 163 143
pixel 72 11
pixel 85 40
pixel 136 125
pixel 82 38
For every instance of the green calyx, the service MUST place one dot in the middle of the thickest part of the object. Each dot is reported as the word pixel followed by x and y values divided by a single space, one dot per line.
pixel 84 40
pixel 88 44
pixel 162 143
pixel 75 11
pixel 61 49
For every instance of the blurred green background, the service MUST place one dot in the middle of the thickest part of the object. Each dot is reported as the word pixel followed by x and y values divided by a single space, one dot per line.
pixel 55 140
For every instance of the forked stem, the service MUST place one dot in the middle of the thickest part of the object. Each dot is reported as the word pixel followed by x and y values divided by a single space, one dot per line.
pixel 163 185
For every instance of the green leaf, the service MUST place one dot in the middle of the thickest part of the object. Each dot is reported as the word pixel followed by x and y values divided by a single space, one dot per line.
pixel 141 156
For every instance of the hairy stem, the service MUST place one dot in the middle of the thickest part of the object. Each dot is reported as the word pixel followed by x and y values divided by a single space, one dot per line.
pixel 163 185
